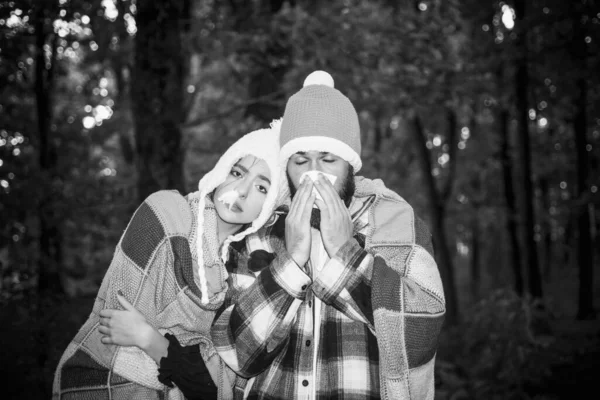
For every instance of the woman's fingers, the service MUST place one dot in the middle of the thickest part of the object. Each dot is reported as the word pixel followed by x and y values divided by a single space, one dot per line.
pixel 104 330
pixel 106 340
pixel 124 303
pixel 106 313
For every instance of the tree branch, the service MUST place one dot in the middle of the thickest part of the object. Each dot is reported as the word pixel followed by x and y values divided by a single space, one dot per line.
pixel 452 128
pixel 267 99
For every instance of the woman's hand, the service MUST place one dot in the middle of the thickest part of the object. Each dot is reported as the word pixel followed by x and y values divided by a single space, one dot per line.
pixel 126 327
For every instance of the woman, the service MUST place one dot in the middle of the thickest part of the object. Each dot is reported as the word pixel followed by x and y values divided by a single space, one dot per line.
pixel 170 266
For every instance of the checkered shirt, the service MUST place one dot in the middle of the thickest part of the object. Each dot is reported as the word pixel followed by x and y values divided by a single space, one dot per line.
pixel 382 309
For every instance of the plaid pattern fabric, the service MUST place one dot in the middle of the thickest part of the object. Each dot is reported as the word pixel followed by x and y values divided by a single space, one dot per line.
pixel 382 308
pixel 156 269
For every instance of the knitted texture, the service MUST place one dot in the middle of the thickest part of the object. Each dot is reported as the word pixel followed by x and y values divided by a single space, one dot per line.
pixel 157 272
pixel 263 144
pixel 381 313
pixel 409 298
pixel 170 266
pixel 319 117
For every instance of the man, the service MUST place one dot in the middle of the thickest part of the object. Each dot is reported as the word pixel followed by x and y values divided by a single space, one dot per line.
pixel 352 305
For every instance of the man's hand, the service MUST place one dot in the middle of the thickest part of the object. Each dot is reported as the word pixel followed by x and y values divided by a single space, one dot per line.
pixel 126 327
pixel 297 224
pixel 336 223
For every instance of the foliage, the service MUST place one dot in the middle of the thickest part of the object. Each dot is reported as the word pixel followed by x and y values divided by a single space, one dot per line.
pixel 80 191
pixel 242 60
pixel 502 347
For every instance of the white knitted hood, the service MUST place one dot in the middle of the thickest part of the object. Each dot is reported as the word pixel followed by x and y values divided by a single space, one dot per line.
pixel 263 144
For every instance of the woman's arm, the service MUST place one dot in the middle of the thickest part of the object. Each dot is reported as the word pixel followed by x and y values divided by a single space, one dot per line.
pixel 128 327
pixel 179 365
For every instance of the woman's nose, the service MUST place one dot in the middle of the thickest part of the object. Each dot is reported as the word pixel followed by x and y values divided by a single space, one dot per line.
pixel 243 187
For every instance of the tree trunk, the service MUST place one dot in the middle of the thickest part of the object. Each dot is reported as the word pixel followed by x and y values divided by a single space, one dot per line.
pixel 511 208
pixel 378 136
pixel 594 227
pixel 49 238
pixel 585 304
pixel 584 245
pixel 527 196
pixel 120 66
pixel 569 257
pixel 546 231
pixel 266 76
pixel 443 255
pixel 451 136
pixel 157 94
pixel 378 133
pixel 474 261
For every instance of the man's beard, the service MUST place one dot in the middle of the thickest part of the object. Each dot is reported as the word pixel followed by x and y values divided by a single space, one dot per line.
pixel 346 193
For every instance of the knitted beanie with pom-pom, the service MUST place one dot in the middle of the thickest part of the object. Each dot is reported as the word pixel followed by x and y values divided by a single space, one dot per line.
pixel 320 118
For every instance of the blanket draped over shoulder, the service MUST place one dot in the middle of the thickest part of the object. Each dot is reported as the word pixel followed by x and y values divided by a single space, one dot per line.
pixel 384 284
pixel 155 268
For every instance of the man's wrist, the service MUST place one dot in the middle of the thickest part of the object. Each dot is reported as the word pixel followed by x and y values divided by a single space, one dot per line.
pixel 298 260
pixel 334 249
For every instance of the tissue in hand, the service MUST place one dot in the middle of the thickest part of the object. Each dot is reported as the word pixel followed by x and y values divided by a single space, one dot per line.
pixel 314 175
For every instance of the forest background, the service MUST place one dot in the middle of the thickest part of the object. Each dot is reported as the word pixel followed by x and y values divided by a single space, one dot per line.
pixel 484 115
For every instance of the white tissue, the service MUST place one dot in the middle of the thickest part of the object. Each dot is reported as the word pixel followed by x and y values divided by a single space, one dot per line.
pixel 314 175
pixel 229 198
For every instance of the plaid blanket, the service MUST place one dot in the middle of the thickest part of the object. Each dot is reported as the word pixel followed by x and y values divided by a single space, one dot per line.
pixel 375 311
pixel 155 266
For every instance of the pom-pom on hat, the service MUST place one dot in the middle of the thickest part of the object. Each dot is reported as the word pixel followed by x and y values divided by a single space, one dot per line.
pixel 263 144
pixel 320 118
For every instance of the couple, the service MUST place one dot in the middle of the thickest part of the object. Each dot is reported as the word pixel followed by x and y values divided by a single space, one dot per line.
pixel 266 283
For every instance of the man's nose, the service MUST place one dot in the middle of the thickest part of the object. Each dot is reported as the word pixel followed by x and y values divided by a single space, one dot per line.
pixel 315 165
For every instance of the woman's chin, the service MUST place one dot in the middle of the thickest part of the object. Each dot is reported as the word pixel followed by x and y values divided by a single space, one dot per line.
pixel 233 217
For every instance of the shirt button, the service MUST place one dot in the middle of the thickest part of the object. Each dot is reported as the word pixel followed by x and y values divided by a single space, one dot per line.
pixel 303 287
pixel 307 343
pixel 305 383
pixel 310 303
